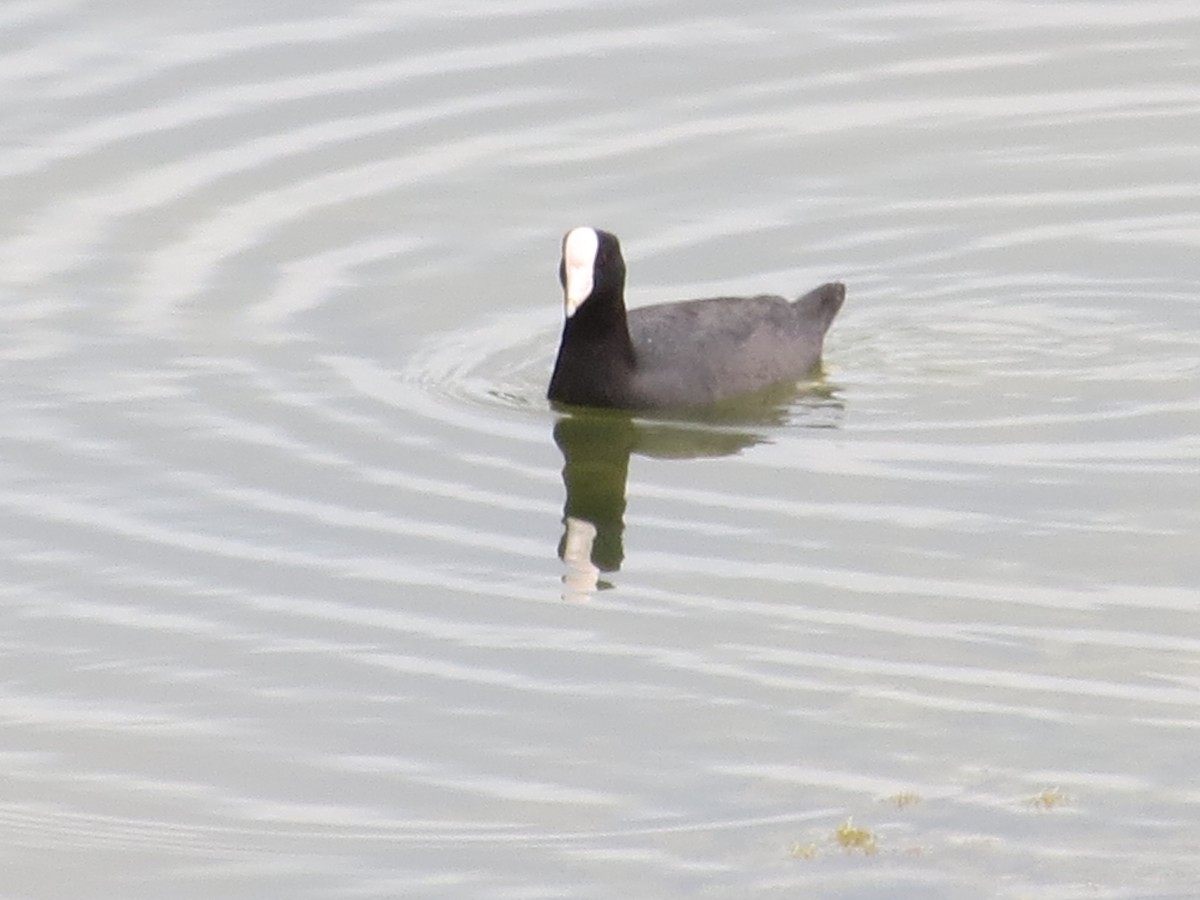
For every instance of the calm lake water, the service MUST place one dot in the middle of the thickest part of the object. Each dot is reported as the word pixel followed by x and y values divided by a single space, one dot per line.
pixel 289 605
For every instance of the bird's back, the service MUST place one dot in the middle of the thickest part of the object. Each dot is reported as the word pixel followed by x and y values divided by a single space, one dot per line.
pixel 702 351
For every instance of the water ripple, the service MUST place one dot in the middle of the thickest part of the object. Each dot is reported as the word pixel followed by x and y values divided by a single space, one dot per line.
pixel 285 499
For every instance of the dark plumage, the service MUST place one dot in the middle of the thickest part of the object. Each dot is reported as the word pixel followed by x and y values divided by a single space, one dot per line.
pixel 675 355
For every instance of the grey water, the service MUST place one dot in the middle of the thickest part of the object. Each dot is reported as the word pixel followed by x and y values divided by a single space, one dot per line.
pixel 306 591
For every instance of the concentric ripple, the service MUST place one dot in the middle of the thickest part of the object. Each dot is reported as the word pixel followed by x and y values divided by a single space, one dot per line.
pixel 308 591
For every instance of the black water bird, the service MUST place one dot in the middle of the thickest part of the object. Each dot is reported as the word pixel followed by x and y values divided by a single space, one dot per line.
pixel 689 354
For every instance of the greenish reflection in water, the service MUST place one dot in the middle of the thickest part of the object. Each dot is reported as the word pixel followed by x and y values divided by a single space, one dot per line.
pixel 596 446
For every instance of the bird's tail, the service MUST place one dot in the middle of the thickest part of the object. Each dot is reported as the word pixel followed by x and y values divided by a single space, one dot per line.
pixel 821 304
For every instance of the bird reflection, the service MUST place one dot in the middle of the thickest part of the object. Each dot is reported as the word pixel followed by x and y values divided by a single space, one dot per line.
pixel 596 446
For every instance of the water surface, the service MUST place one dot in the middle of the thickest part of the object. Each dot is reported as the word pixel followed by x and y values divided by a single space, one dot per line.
pixel 285 612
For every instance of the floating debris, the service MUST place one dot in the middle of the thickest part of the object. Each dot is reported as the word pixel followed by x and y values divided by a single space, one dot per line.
pixel 1050 798
pixel 804 851
pixel 904 799
pixel 851 838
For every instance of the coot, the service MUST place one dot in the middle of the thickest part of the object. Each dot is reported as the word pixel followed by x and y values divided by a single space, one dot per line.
pixel 675 355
